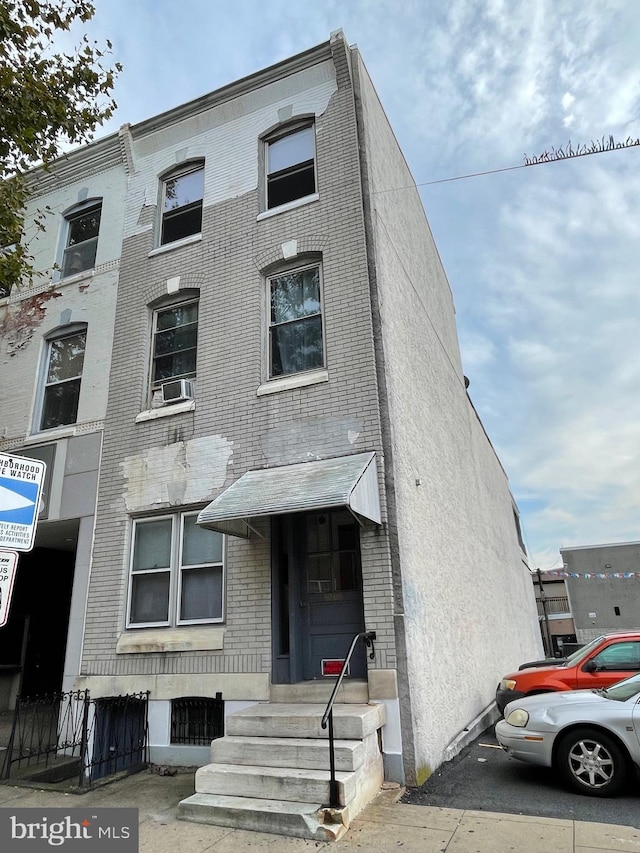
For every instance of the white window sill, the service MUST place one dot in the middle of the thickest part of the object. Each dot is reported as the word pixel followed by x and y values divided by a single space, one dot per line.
pixel 290 205
pixel 50 435
pixel 177 244
pixel 166 411
pixel 296 380
pixel 134 642
pixel 78 276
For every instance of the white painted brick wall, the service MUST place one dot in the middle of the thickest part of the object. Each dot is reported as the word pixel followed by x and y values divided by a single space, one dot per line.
pixel 30 314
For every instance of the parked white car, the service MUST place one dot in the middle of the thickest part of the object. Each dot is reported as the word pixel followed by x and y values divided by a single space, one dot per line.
pixel 591 737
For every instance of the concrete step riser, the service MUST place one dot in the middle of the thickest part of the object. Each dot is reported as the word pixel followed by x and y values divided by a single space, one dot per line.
pixel 344 728
pixel 350 722
pixel 313 754
pixel 351 692
pixel 217 811
pixel 297 788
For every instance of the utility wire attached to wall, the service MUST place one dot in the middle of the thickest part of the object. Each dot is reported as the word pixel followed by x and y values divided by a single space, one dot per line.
pixel 553 156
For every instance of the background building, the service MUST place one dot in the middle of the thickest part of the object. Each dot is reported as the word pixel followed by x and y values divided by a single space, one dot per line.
pixel 55 352
pixel 554 613
pixel 603 585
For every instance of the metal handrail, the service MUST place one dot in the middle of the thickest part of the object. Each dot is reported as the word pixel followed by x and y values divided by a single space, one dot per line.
pixel 327 717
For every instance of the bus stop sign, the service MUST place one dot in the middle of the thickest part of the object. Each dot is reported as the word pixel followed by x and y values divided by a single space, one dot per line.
pixel 21 482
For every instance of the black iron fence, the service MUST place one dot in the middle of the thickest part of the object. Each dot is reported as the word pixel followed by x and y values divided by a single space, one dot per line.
pixel 69 735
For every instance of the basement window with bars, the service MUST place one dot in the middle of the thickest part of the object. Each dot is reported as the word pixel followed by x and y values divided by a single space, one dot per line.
pixel 197 720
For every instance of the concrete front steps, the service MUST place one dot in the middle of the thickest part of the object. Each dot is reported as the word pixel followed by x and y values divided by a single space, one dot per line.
pixel 270 772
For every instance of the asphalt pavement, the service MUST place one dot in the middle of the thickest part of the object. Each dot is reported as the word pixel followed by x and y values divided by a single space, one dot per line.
pixel 484 778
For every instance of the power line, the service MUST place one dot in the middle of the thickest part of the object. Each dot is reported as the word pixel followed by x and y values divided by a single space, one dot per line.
pixel 556 155
pixel 471 175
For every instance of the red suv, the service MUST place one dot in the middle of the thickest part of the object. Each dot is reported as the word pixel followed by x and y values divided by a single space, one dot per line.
pixel 600 663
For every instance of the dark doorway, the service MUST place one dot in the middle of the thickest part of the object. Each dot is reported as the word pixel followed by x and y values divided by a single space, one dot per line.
pixel 41 601
pixel 318 606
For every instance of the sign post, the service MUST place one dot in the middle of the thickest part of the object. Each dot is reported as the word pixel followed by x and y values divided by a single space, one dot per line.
pixel 21 482
pixel 8 563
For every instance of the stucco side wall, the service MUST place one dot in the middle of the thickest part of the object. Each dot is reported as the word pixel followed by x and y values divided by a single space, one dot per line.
pixel 469 609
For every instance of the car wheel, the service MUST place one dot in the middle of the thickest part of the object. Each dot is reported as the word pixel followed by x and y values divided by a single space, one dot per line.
pixel 592 763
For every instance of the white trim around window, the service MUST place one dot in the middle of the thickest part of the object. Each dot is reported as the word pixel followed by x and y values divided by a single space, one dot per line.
pixel 61 378
pixel 176 573
pixel 181 203
pixel 82 227
pixel 295 322
pixel 290 164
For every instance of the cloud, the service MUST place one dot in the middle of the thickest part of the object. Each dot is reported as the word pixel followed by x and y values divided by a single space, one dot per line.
pixel 561 282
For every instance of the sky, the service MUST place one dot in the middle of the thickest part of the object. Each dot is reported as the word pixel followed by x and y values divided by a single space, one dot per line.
pixel 543 261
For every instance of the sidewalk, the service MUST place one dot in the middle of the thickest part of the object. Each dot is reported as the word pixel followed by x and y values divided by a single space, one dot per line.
pixel 383 826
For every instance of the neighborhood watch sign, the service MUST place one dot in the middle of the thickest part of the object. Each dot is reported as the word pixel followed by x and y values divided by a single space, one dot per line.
pixel 21 482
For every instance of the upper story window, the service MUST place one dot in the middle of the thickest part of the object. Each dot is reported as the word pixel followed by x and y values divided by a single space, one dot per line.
pixel 295 321
pixel 516 519
pixel 182 194
pixel 83 224
pixel 177 572
pixel 290 164
pixel 63 374
pixel 175 342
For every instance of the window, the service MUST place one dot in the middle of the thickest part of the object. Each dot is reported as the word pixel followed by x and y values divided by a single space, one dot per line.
pixel 619 657
pixel 290 166
pixel 65 358
pixel 333 552
pixel 197 719
pixel 516 519
pixel 177 572
pixel 182 204
pixel 295 322
pixel 83 224
pixel 175 341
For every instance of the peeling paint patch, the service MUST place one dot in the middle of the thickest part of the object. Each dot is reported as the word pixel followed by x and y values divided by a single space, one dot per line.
pixel 18 325
pixel 301 439
pixel 177 474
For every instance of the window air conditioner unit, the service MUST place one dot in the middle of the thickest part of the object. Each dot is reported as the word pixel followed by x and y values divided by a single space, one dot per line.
pixel 177 391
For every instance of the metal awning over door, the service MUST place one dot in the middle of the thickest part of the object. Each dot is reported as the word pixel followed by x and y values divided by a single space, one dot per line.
pixel 349 481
